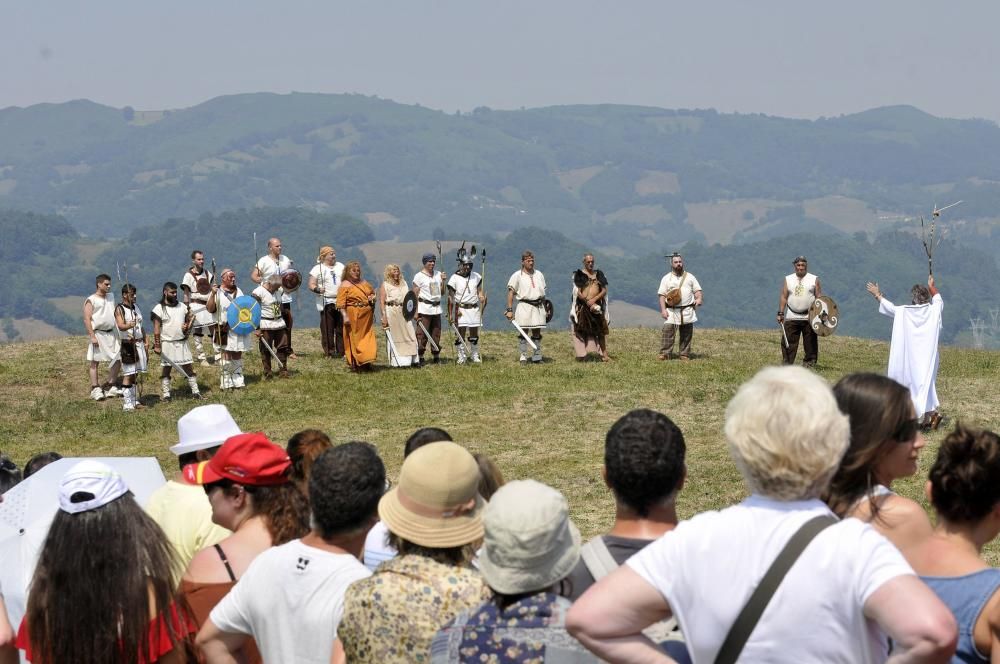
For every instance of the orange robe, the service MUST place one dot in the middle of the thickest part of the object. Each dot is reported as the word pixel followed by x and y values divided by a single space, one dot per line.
pixel 359 316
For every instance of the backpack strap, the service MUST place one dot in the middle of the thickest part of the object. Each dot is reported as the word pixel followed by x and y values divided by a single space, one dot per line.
pixel 754 608
pixel 597 558
pixel 599 562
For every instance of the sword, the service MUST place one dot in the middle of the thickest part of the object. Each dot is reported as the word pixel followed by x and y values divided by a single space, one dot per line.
pixel 392 346
pixel 524 334
pixel 783 333
pixel 454 328
pixel 174 365
pixel 427 334
pixel 270 350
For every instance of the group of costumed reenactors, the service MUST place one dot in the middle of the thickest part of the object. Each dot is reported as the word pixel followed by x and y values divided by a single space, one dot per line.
pixel 217 312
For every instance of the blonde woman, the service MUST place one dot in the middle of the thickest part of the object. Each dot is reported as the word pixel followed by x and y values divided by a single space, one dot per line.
pixel 356 299
pixel 403 348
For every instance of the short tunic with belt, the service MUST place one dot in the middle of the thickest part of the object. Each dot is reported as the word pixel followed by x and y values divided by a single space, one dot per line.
pixel 685 312
pixel 467 296
pixel 102 321
pixel 429 297
pixel 529 289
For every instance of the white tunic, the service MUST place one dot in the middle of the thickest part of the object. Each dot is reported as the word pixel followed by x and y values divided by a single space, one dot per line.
pixel 801 293
pixel 328 279
pixel 102 321
pixel 913 353
pixel 528 287
pixel 267 266
pixel 270 308
pixel 684 312
pixel 430 291
pixel 235 343
pixel 202 318
pixel 173 341
pixel 466 291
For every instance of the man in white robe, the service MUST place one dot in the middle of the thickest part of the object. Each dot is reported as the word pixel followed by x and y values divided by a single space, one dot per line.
pixel 913 352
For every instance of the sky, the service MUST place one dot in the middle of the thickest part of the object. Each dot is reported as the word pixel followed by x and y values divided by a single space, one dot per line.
pixel 790 58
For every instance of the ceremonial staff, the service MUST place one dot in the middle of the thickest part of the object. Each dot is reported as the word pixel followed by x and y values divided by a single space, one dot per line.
pixel 928 241
pixel 482 304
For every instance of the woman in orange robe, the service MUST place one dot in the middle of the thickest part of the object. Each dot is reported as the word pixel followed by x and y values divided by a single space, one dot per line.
pixel 356 298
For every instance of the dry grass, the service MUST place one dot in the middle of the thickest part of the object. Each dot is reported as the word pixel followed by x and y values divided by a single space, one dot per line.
pixel 546 422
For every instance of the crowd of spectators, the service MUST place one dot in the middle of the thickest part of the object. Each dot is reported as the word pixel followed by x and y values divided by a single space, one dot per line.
pixel 254 552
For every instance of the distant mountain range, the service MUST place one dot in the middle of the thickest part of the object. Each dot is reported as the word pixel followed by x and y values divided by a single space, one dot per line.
pixel 617 177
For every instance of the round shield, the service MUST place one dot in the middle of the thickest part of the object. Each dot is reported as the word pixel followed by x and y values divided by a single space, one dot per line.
pixel 291 280
pixel 203 285
pixel 824 315
pixel 243 315
pixel 409 305
pixel 550 310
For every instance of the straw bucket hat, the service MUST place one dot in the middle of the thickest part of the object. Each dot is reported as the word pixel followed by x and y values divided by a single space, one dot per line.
pixel 530 541
pixel 436 503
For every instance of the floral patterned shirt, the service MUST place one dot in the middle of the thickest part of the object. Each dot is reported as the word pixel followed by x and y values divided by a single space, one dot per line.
pixel 529 631
pixel 392 615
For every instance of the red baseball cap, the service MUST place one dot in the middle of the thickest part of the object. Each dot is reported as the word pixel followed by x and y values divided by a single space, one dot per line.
pixel 248 458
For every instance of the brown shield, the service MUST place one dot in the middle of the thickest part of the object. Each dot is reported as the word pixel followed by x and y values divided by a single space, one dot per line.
pixel 291 280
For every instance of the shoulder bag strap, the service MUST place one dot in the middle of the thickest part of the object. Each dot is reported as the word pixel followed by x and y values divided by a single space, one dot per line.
pixel 597 558
pixel 754 608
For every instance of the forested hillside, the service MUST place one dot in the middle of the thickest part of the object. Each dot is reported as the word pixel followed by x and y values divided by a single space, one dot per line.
pixel 621 177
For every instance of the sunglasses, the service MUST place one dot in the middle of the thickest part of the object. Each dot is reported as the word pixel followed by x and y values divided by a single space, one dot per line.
pixel 907 431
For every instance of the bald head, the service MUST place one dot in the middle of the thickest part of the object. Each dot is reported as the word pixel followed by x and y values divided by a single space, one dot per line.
pixel 274 246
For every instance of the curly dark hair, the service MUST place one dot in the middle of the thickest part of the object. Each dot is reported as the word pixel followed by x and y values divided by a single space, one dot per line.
pixel 965 478
pixel 879 408
pixel 101 578
pixel 644 457
pixel 346 484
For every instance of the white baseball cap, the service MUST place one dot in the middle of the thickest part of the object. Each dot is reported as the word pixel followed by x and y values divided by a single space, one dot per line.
pixel 94 478
pixel 204 427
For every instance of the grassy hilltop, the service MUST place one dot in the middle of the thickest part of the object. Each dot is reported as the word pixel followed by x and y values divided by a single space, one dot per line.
pixel 546 422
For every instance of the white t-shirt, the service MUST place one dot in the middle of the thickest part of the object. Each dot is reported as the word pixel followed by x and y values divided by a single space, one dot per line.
pixel 430 290
pixel 267 266
pixel 683 313
pixel 708 566
pixel 328 278
pixel 290 599
pixel 377 549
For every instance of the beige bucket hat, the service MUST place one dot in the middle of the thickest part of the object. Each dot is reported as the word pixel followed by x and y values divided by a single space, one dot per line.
pixel 436 503
pixel 530 541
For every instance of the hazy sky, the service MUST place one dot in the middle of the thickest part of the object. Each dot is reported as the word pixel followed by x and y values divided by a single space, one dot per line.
pixel 795 58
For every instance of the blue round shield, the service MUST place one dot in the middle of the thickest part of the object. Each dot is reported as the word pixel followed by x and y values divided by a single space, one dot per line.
pixel 243 315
